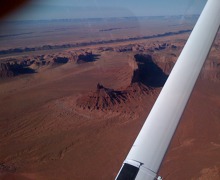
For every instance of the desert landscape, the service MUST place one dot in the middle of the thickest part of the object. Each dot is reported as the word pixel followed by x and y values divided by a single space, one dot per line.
pixel 74 95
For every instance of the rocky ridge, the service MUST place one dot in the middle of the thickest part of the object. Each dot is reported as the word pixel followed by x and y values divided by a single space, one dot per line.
pixel 11 67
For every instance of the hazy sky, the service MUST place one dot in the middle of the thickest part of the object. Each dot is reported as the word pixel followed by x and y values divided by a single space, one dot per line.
pixel 69 9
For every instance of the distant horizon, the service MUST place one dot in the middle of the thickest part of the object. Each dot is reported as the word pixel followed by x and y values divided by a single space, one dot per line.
pixel 96 18
pixel 84 9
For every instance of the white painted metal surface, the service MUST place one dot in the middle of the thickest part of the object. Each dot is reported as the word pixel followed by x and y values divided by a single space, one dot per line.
pixel 155 136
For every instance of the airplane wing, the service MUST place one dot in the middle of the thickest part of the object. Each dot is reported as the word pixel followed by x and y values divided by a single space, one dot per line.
pixel 145 157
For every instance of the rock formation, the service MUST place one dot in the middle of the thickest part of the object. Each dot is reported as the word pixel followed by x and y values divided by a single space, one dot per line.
pixel 148 72
pixel 5 70
pixel 146 76
pixel 102 99
pixel 86 57
pixel 60 60
pixel 10 69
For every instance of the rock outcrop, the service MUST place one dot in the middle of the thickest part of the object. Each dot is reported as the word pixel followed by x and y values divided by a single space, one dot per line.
pixel 148 72
pixel 211 70
pixel 102 99
pixel 86 57
pixel 10 69
pixel 5 70
pixel 60 60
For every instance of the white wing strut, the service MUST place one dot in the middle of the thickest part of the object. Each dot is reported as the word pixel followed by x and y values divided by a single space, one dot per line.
pixel 148 150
